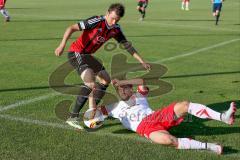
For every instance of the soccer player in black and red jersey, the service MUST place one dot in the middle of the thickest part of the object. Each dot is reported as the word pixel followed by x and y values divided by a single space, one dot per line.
pixel 141 7
pixel 96 31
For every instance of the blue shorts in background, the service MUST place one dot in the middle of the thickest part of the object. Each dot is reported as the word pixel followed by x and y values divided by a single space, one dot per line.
pixel 217 6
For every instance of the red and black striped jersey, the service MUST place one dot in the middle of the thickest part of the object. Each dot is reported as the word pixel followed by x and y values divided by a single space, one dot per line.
pixel 95 33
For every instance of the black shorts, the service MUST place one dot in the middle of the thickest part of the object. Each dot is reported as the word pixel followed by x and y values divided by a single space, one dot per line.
pixel 83 61
pixel 217 6
pixel 142 4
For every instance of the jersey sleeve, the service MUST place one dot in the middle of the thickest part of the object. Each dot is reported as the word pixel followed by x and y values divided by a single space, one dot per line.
pixel 89 23
pixel 120 37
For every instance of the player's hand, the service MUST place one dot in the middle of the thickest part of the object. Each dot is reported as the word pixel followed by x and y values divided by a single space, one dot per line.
pixel 116 82
pixel 146 66
pixel 93 113
pixel 59 50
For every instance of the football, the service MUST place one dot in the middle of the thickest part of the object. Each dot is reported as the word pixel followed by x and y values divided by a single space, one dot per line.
pixel 93 118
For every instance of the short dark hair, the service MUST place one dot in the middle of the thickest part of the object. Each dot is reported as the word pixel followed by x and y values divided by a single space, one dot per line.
pixel 118 8
pixel 120 91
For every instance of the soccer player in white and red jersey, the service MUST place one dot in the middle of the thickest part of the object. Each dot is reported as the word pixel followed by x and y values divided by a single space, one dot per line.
pixel 135 114
pixel 3 10
pixel 141 7
pixel 96 31
pixel 185 5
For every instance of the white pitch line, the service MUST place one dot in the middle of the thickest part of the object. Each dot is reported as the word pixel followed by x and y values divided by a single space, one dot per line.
pixel 199 50
pixel 32 121
pixel 24 102
pixel 66 127
pixel 183 55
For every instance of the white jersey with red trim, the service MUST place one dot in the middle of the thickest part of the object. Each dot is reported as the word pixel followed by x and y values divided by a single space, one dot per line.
pixel 131 112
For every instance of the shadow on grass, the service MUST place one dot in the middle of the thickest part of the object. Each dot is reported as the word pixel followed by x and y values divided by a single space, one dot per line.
pixel 123 131
pixel 102 127
pixel 229 150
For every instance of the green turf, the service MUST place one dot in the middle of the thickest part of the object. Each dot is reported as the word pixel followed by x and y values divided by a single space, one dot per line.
pixel 210 76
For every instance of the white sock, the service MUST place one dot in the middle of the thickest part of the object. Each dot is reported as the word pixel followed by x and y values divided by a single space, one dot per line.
pixel 187 143
pixel 187 5
pixel 4 13
pixel 203 111
pixel 215 148
pixel 182 4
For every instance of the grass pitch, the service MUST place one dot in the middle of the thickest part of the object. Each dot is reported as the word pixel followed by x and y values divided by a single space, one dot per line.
pixel 202 61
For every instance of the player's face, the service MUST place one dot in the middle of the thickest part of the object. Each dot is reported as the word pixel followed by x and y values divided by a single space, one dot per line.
pixel 128 91
pixel 125 92
pixel 112 18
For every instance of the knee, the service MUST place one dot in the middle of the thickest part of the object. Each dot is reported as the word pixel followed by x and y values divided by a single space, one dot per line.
pixel 91 85
pixel 103 77
pixel 166 140
pixel 101 87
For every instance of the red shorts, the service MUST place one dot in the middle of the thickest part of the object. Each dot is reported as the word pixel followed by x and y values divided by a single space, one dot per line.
pixel 162 119
pixel 2 4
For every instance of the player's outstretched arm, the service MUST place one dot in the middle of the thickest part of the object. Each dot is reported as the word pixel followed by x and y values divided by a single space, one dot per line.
pixel 59 50
pixel 134 53
pixel 144 64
